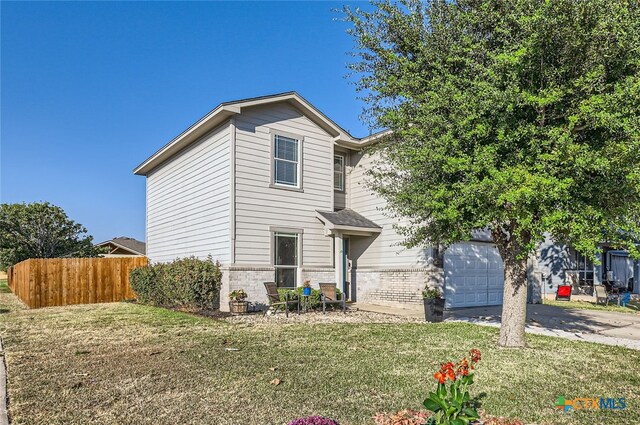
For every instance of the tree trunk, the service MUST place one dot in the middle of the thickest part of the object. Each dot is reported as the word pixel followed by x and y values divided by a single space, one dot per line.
pixel 514 304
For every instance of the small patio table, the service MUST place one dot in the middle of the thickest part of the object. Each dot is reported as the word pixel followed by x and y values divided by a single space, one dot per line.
pixel 305 303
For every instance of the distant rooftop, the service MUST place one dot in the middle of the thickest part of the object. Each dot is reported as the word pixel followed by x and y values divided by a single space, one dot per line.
pixel 130 244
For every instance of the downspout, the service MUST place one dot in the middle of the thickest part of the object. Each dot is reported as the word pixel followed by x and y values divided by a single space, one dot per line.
pixel 232 191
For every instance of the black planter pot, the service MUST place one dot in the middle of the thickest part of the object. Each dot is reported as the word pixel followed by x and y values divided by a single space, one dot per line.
pixel 433 309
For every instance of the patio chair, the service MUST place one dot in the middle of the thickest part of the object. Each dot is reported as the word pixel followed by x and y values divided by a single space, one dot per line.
pixel 603 296
pixel 274 299
pixel 329 296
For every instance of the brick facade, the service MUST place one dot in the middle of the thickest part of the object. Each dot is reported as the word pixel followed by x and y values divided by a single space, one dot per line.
pixel 401 287
pixel 252 278
pixel 249 278
pixel 394 286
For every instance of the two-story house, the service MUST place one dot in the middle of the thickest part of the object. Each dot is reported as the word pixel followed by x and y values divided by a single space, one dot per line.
pixel 274 190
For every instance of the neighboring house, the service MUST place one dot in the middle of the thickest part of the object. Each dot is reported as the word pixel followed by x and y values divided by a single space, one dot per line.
pixel 123 247
pixel 274 190
pixel 557 264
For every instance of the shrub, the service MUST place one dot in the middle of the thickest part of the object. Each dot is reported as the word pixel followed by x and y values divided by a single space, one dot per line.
pixel 143 283
pixel 313 420
pixel 187 283
pixel 431 293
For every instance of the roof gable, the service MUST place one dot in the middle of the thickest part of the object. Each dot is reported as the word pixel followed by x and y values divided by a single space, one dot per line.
pixel 226 110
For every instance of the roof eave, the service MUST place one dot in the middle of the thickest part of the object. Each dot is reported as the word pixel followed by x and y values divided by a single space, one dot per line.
pixel 305 107
pixel 331 228
pixel 199 129
pixel 354 143
pixel 226 110
pixel 121 247
pixel 354 230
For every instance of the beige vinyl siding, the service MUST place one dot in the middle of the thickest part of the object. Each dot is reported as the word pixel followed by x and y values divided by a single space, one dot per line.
pixel 259 206
pixel 188 202
pixel 385 250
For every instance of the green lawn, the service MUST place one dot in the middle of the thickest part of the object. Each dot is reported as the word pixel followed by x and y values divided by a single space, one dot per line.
pixel 632 307
pixel 124 363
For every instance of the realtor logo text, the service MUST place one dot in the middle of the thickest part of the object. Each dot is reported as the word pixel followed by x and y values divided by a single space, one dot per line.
pixel 590 403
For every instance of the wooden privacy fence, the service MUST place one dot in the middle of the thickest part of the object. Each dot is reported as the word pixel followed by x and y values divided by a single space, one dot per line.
pixel 45 282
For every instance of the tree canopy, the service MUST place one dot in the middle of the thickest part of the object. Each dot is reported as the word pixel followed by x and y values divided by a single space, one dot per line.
pixel 517 116
pixel 40 230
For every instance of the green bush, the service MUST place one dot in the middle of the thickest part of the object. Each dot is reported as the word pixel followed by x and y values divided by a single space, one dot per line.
pixel 142 281
pixel 314 299
pixel 187 282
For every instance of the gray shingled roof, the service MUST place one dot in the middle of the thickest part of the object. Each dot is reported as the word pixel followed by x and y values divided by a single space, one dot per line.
pixel 347 217
pixel 129 243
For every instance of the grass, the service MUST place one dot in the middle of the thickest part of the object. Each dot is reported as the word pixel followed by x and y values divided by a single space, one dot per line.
pixel 126 363
pixel 633 307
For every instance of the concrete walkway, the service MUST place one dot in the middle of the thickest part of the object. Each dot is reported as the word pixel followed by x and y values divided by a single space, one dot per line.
pixel 603 327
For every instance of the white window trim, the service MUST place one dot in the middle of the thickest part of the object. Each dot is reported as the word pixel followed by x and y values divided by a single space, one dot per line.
pixel 300 139
pixel 274 230
pixel 343 171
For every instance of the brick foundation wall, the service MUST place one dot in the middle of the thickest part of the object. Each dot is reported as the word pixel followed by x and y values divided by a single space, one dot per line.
pixel 395 286
pixel 252 278
pixel 398 286
pixel 318 275
pixel 249 278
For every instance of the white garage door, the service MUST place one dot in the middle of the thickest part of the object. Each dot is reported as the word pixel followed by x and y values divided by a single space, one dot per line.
pixel 473 275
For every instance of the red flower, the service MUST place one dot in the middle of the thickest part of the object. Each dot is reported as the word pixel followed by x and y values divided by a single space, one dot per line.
pixel 475 355
pixel 451 374
pixel 446 371
pixel 446 366
pixel 463 367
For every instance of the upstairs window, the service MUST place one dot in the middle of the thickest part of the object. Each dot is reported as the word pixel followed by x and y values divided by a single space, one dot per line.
pixel 286 160
pixel 338 172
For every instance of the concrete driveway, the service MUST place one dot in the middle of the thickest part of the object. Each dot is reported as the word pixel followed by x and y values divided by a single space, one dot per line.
pixel 588 325
pixel 603 327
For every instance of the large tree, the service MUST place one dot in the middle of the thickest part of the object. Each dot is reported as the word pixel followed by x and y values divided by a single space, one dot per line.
pixel 40 230
pixel 517 116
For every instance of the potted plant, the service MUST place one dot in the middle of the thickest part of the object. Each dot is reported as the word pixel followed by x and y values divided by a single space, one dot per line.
pixel 306 288
pixel 238 305
pixel 433 304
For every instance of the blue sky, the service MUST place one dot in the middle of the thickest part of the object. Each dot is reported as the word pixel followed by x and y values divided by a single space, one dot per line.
pixel 91 89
